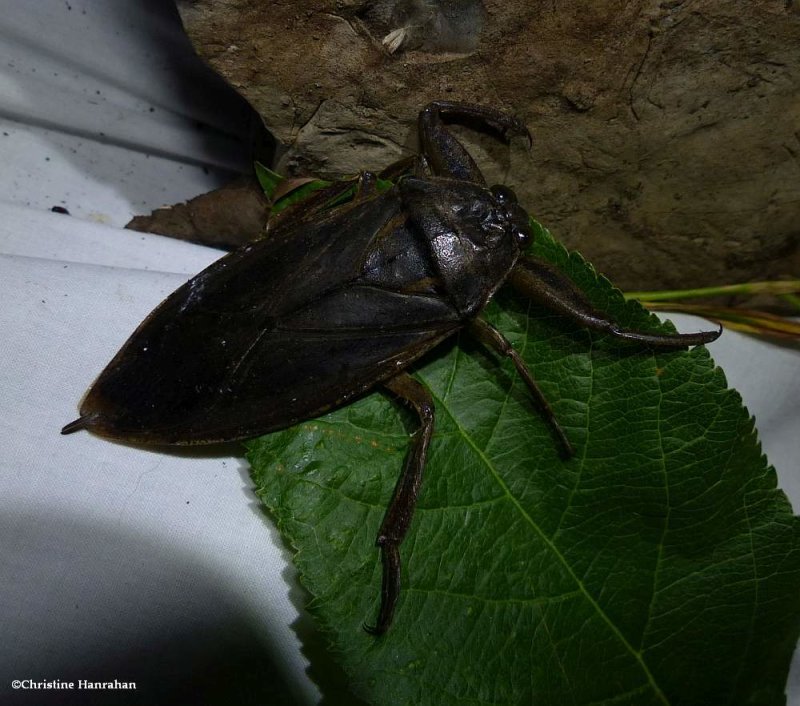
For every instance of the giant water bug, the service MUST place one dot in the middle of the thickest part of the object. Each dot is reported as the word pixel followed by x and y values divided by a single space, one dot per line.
pixel 336 301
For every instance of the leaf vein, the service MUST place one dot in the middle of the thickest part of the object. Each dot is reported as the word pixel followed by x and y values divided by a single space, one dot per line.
pixel 637 656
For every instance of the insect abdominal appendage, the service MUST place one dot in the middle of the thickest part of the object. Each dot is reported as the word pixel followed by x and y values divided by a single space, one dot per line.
pixel 381 279
pixel 75 425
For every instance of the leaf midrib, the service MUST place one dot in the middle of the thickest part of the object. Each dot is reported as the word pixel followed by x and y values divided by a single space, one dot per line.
pixel 441 404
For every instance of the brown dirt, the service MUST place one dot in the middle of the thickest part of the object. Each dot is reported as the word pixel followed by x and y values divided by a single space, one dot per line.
pixel 667 134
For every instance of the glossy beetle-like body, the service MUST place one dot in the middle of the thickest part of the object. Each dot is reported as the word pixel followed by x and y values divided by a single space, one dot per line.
pixel 297 323
pixel 333 303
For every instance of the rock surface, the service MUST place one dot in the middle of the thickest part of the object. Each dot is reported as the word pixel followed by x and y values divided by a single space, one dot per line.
pixel 666 134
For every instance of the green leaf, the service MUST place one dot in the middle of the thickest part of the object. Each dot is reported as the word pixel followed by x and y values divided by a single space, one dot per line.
pixel 270 182
pixel 303 192
pixel 660 565
pixel 267 179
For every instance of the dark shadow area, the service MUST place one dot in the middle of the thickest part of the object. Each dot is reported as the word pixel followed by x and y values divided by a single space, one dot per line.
pixel 142 79
pixel 428 25
pixel 204 92
pixel 85 602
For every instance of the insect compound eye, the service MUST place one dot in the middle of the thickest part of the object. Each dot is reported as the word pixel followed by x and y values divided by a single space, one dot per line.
pixel 503 195
pixel 513 214
pixel 524 235
pixel 522 227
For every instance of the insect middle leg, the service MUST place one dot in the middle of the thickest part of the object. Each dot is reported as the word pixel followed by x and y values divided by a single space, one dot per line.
pixel 492 338
pixel 398 515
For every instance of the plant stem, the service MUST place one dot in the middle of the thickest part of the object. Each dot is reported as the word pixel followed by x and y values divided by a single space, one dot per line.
pixel 786 288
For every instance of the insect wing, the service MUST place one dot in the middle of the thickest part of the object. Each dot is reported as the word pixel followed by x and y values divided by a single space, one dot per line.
pixel 272 334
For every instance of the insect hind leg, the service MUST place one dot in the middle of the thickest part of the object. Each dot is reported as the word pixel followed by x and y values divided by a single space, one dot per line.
pixel 541 282
pixel 398 515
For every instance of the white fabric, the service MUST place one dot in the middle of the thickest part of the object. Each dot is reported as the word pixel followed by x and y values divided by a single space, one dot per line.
pixel 115 562
pixel 65 499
